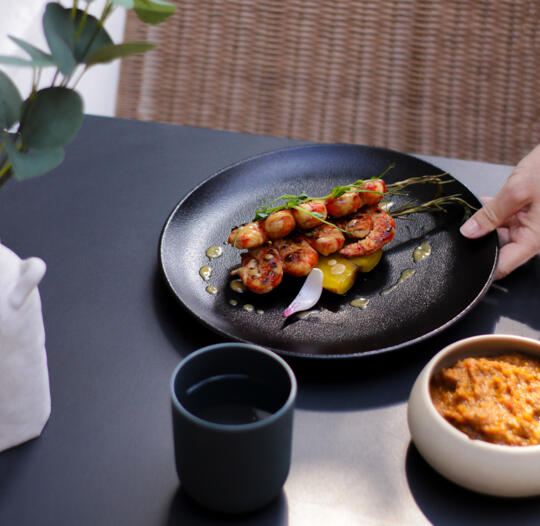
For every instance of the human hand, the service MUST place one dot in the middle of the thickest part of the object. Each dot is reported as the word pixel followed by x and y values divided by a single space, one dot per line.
pixel 515 213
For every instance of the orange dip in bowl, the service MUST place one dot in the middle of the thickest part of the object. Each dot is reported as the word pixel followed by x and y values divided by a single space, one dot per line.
pixel 495 398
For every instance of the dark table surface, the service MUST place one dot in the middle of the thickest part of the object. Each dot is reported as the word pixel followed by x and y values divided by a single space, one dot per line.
pixel 115 334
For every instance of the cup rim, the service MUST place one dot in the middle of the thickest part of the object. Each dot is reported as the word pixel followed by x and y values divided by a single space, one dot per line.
pixel 429 370
pixel 235 427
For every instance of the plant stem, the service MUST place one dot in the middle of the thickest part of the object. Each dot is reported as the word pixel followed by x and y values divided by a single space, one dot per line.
pixel 55 77
pixel 79 78
pixel 5 174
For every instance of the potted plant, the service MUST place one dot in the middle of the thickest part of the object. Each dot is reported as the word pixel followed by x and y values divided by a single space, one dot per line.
pixel 33 134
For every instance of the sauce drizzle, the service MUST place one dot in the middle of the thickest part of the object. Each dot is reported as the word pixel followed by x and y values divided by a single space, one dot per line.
pixel 205 272
pixel 405 275
pixel 214 252
pixel 422 251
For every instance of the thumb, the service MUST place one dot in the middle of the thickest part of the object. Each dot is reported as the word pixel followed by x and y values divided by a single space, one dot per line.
pixel 497 210
pixel 487 219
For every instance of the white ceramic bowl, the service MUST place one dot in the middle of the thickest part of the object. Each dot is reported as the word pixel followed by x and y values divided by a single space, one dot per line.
pixel 505 471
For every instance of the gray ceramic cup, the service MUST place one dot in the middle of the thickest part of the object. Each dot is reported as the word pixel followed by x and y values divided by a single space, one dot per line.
pixel 232 411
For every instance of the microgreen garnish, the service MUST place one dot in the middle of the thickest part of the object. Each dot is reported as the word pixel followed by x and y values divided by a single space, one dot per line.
pixel 319 216
pixel 293 201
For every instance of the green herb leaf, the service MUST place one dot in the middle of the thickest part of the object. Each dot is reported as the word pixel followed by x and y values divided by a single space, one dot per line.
pixel 153 11
pixel 114 51
pixel 60 31
pixel 25 165
pixel 51 118
pixel 10 102
pixel 39 58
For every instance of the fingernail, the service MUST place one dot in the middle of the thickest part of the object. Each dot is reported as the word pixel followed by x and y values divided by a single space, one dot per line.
pixel 470 228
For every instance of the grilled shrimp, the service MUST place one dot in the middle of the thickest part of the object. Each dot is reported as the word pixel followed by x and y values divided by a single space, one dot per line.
pixel 325 239
pixel 250 235
pixel 261 269
pixel 357 226
pixel 375 185
pixel 304 220
pixel 382 232
pixel 344 205
pixel 279 224
pixel 297 256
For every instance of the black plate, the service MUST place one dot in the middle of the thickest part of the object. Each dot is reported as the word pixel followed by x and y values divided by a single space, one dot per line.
pixel 445 286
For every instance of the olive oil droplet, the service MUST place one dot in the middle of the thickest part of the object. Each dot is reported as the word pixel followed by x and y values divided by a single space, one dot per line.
pixel 237 286
pixel 211 290
pixel 361 303
pixel 205 272
pixel 422 252
pixel 248 307
pixel 214 252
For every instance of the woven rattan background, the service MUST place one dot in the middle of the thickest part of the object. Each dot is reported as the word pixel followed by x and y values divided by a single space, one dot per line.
pixel 456 78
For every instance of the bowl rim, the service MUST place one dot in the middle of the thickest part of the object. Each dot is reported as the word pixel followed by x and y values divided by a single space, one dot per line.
pixel 458 347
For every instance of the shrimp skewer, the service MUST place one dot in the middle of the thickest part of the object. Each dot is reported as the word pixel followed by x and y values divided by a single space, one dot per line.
pixel 279 224
pixel 325 239
pixel 305 216
pixel 376 188
pixel 344 205
pixel 297 255
pixel 315 211
pixel 358 226
pixel 261 269
pixel 250 235
pixel 383 231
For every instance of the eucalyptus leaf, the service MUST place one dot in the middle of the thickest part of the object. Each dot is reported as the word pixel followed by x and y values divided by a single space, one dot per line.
pixel 25 165
pixel 10 102
pixel 153 11
pixel 59 31
pixel 51 118
pixel 128 4
pixel 16 61
pixel 93 37
pixel 39 58
pixel 110 53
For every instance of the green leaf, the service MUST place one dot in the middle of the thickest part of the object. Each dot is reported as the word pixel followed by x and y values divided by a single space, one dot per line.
pixel 128 4
pixel 10 102
pixel 93 37
pixel 16 61
pixel 59 31
pixel 112 52
pixel 31 163
pixel 153 11
pixel 39 58
pixel 51 118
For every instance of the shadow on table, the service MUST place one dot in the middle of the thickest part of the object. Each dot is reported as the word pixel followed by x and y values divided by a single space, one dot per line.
pixel 446 504
pixel 511 305
pixel 181 329
pixel 183 511
pixel 378 380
